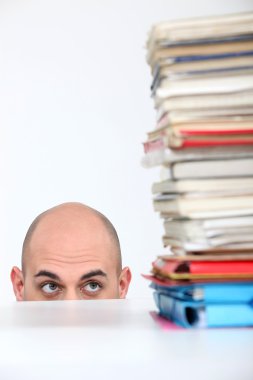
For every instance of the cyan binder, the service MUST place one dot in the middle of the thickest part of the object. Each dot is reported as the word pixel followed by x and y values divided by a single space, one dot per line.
pixel 199 314
pixel 214 292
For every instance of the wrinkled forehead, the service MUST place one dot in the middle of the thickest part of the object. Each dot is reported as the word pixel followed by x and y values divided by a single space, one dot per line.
pixel 71 238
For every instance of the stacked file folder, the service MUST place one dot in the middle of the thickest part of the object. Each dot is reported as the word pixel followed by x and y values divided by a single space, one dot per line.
pixel 203 140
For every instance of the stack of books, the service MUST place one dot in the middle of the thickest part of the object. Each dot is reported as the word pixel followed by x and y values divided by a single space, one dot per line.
pixel 203 140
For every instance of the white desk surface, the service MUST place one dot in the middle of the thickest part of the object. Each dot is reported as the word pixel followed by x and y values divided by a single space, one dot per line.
pixel 114 339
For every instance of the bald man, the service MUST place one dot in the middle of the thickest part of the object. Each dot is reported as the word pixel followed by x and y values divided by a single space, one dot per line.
pixel 70 252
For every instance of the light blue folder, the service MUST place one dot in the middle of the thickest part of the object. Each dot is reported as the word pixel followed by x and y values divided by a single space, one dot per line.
pixel 197 314
pixel 212 292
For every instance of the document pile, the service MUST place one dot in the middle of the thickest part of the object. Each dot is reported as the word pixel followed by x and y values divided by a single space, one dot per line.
pixel 203 93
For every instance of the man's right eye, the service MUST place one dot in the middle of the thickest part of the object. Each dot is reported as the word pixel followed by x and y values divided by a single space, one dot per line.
pixel 50 288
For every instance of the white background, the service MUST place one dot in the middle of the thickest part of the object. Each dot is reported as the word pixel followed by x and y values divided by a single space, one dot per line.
pixel 74 110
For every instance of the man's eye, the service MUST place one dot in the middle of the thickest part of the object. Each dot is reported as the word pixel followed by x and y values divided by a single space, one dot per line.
pixel 50 288
pixel 92 287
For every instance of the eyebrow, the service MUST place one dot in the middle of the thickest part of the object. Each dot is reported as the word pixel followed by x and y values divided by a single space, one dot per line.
pixel 92 273
pixel 45 273
pixel 53 276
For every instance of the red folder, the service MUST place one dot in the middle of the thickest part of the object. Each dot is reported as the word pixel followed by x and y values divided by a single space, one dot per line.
pixel 205 143
pixel 180 143
pixel 199 269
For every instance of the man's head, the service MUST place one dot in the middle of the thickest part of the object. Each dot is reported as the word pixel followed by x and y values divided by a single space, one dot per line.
pixel 70 252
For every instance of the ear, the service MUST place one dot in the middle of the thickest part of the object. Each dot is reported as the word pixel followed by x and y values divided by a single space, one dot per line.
pixel 17 280
pixel 124 281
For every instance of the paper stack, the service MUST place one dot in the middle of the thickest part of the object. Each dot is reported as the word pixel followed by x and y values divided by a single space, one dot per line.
pixel 203 93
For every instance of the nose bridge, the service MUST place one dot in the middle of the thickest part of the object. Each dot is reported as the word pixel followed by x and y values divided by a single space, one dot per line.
pixel 71 293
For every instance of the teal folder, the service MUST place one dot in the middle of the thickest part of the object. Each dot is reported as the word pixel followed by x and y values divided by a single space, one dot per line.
pixel 213 292
pixel 200 314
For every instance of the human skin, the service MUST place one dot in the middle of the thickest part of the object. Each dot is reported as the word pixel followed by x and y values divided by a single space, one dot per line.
pixel 71 255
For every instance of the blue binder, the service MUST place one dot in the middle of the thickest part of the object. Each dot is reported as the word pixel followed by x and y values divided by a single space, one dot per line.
pixel 199 314
pixel 212 292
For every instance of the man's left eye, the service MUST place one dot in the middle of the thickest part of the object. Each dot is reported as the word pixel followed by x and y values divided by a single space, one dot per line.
pixel 50 288
pixel 92 287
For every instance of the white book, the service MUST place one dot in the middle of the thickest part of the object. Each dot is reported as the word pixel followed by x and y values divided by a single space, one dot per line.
pixel 182 206
pixel 200 28
pixel 243 184
pixel 165 156
pixel 207 169
pixel 234 235
pixel 228 230
pixel 211 214
pixel 201 86
pixel 190 226
pixel 217 102
pixel 217 241
pixel 181 247
pixel 199 116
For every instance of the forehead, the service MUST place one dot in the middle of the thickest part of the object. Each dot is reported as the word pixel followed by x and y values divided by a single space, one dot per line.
pixel 71 238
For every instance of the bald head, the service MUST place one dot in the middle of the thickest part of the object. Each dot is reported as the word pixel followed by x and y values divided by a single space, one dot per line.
pixel 70 252
pixel 65 218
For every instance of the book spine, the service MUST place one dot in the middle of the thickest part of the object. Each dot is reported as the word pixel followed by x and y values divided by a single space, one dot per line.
pixel 172 309
pixel 201 315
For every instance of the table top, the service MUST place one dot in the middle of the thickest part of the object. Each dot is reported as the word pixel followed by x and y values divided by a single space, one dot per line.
pixel 115 339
